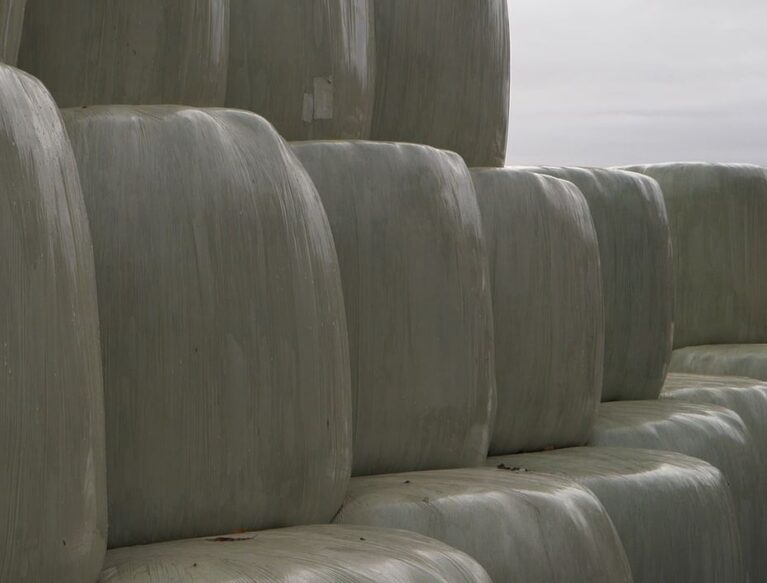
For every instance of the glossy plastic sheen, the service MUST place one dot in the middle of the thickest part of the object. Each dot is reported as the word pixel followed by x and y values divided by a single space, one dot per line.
pixel 674 514
pixel 546 284
pixel 128 51
pixel 443 76
pixel 635 247
pixel 708 432
pixel 747 397
pixel 52 475
pixel 407 230
pixel 11 23
pixel 223 331
pixel 718 215
pixel 314 554
pixel 308 66
pixel 521 527
pixel 745 360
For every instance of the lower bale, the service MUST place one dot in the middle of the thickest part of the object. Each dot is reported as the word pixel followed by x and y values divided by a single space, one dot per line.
pixel 708 432
pixel 316 554
pixel 520 526
pixel 739 360
pixel 674 514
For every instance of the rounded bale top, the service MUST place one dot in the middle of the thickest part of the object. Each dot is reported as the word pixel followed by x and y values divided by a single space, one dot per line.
pixel 637 277
pixel 548 309
pixel 225 352
pixel 52 470
pixel 409 240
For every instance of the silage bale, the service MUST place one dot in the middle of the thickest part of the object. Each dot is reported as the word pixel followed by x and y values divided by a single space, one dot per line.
pixel 509 520
pixel 708 432
pixel 637 277
pixel 443 76
pixel 746 396
pixel 308 66
pixel 407 230
pixel 745 360
pixel 321 554
pixel 223 331
pixel 548 309
pixel 52 477
pixel 718 219
pixel 674 514
pixel 11 21
pixel 128 51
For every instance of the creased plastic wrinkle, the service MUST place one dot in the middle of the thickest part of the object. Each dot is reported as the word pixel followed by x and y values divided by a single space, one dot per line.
pixel 743 360
pixel 547 391
pixel 521 527
pixel 224 337
pixel 708 432
pixel 407 231
pixel 52 475
pixel 128 51
pixel 314 554
pixel 11 23
pixel 748 398
pixel 443 76
pixel 635 247
pixel 717 214
pixel 673 513
pixel 308 66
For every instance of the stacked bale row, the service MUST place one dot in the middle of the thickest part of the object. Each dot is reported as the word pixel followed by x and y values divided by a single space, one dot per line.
pixel 316 69
pixel 241 292
pixel 275 320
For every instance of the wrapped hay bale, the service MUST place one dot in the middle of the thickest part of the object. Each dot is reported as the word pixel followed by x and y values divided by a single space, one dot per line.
pixel 547 391
pixel 718 216
pixel 673 513
pixel 747 397
pixel 308 66
pixel 745 360
pixel 12 22
pixel 407 230
pixel 222 324
pixel 512 522
pixel 413 264
pixel 637 278
pixel 312 554
pixel 708 432
pixel 128 51
pixel 443 76
pixel 52 475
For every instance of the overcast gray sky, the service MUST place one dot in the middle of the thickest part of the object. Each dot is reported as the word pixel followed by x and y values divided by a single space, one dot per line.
pixel 603 82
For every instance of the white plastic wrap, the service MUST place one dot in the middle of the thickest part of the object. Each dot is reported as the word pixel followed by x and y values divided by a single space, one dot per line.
pixel 128 51
pixel 308 66
pixel 744 360
pixel 407 230
pixel 11 23
pixel 522 527
pixel 313 554
pixel 52 475
pixel 718 218
pixel 708 432
pixel 674 514
pixel 443 76
pixel 222 323
pixel 635 247
pixel 747 397
pixel 547 299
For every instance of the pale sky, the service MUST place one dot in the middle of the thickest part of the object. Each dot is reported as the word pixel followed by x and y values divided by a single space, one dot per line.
pixel 605 82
